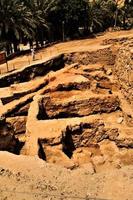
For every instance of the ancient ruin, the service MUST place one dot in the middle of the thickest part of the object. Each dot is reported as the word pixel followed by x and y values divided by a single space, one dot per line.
pixel 74 109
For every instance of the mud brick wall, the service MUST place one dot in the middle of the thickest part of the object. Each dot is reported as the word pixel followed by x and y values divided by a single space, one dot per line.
pixel 30 72
pixel 123 69
pixel 105 56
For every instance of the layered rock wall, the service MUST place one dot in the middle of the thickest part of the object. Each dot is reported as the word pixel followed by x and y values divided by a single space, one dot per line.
pixel 30 72
pixel 124 69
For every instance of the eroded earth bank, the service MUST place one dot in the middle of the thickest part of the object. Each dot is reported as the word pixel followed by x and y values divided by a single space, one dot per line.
pixel 66 126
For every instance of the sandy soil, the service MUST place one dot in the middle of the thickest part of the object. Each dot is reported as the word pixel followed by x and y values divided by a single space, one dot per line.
pixel 67 47
pixel 23 178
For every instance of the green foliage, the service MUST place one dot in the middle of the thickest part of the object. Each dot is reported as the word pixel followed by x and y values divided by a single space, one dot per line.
pixel 72 13
pixel 15 18
pixel 38 20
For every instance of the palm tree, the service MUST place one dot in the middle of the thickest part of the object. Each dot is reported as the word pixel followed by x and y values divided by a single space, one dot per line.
pixel 16 19
pixel 127 12
pixel 101 14
pixel 40 10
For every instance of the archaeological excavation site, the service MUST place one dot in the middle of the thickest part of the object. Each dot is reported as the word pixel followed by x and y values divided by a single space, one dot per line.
pixel 66 123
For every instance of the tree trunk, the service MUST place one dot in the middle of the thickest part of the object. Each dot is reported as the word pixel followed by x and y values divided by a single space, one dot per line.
pixel 41 37
pixel 15 46
pixel 8 49
pixel 37 45
pixel 124 21
pixel 31 44
pixel 116 15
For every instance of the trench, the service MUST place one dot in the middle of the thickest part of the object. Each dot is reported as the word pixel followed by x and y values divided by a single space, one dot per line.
pixel 73 138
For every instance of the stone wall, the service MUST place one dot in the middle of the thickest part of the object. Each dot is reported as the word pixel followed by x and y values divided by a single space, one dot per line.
pixel 123 69
pixel 105 56
pixel 30 72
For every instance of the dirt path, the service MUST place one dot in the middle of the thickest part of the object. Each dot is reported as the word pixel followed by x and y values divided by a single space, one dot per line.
pixel 67 47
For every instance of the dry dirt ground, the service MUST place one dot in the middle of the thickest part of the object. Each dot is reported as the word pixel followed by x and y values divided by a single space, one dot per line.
pixel 75 119
pixel 31 178
pixel 67 47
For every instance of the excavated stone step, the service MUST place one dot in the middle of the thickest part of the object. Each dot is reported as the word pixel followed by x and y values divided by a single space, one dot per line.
pixel 81 144
pixel 17 107
pixel 68 82
pixel 74 141
pixel 16 91
pixel 23 93
pixel 64 139
pixel 77 105
pixel 98 76
pixel 86 69
pixel 63 80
